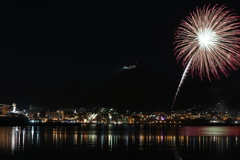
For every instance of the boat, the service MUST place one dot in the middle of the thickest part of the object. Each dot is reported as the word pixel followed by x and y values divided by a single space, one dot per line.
pixel 13 119
pixel 12 116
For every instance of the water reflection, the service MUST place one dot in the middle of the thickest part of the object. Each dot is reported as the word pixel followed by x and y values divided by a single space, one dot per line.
pixel 188 141
pixel 210 130
pixel 11 139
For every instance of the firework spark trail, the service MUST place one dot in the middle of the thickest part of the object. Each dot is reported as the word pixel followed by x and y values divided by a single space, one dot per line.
pixel 182 80
pixel 209 38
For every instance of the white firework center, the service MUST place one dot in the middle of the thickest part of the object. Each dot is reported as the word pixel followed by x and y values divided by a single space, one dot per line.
pixel 207 38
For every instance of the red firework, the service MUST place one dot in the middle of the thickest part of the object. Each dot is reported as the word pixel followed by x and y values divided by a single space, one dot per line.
pixel 208 43
pixel 209 39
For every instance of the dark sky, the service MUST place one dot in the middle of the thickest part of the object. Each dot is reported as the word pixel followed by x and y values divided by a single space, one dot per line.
pixel 63 42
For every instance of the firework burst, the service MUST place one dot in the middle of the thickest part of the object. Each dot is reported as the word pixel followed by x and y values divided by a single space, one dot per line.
pixel 207 43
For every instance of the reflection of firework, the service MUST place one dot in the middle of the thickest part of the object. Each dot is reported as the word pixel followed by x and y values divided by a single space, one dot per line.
pixel 208 40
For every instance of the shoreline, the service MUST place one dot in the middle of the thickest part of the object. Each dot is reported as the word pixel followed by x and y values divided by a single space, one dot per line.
pixel 130 124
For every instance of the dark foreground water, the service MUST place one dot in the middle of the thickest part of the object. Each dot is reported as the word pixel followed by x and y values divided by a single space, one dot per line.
pixel 119 142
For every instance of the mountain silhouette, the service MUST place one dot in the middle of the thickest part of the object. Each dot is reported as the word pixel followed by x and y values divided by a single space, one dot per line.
pixel 134 89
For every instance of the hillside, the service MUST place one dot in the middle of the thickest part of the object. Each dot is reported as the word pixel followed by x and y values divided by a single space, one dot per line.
pixel 134 89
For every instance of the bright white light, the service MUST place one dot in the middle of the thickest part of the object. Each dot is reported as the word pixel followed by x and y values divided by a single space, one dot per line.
pixel 207 38
pixel 125 67
pixel 130 67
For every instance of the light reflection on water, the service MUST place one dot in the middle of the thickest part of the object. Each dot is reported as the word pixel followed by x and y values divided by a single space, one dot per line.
pixel 188 141
pixel 210 131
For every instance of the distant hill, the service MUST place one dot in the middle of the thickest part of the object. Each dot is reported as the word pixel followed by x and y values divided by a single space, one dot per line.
pixel 136 89
pixel 209 93
pixel 133 89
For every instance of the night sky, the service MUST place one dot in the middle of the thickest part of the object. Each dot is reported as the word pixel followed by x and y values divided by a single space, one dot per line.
pixel 66 42
pixel 61 42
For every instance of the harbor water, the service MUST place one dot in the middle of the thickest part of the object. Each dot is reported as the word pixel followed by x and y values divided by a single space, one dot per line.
pixel 125 141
